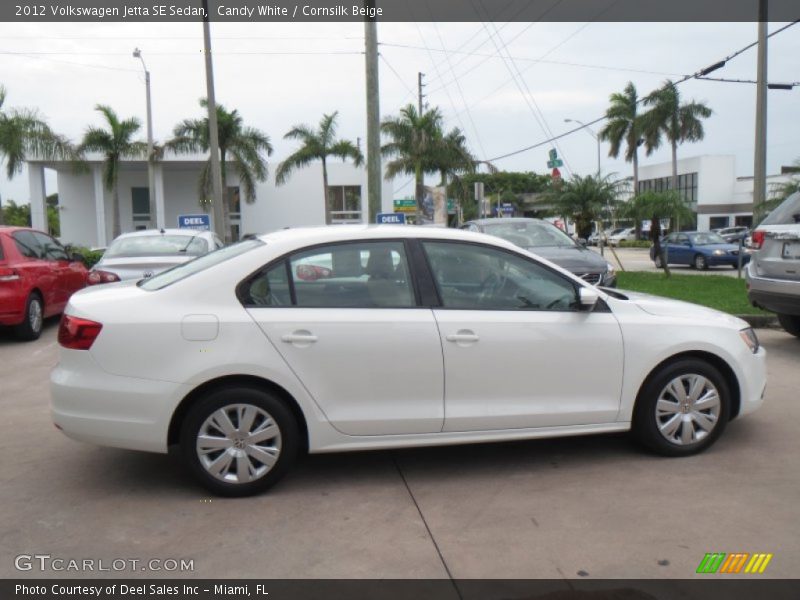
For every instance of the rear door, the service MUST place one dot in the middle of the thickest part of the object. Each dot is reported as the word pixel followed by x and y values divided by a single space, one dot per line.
pixel 346 319
pixel 67 276
pixel 34 268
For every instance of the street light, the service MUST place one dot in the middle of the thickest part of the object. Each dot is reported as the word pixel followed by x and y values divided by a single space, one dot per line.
pixel 591 133
pixel 150 175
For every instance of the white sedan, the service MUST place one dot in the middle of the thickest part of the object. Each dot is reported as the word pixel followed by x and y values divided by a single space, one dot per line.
pixel 364 337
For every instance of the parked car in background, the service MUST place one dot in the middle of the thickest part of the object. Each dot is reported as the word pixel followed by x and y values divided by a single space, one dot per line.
pixel 243 364
pixel 626 235
pixel 37 277
pixel 594 239
pixel 699 249
pixel 733 234
pixel 146 253
pixel 547 240
pixel 773 276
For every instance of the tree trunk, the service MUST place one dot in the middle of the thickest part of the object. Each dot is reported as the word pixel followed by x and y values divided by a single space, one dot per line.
pixel 419 192
pixel 116 227
pixel 326 193
pixel 674 166
pixel 226 212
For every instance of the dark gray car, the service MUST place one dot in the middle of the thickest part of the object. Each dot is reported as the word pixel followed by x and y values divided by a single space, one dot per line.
pixel 548 241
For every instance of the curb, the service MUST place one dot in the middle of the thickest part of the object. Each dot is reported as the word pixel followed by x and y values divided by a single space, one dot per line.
pixel 770 321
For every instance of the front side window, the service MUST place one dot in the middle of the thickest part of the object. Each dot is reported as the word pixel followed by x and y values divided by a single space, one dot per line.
pixel 473 277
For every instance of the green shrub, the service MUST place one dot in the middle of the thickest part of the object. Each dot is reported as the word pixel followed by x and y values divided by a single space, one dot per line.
pixel 636 244
pixel 91 257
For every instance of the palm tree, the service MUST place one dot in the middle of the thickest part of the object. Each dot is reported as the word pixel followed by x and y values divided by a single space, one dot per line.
pixel 22 133
pixel 245 145
pixel 318 145
pixel 454 157
pixel 114 143
pixel 677 122
pixel 624 125
pixel 415 147
pixel 584 200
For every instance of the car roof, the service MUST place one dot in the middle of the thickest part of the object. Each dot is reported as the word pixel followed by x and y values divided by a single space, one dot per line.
pixel 171 231
pixel 508 220
pixel 339 233
pixel 13 228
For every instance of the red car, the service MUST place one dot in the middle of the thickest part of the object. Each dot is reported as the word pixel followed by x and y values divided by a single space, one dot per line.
pixel 37 277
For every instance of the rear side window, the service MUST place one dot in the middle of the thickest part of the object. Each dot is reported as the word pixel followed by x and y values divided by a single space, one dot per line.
pixel 27 245
pixel 787 213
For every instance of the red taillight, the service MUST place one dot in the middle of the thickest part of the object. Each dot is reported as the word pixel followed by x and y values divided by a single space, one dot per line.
pixel 77 334
pixel 7 274
pixel 98 276
pixel 758 239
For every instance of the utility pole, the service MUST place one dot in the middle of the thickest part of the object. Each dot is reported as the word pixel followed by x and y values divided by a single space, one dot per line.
pixel 151 185
pixel 374 184
pixel 419 192
pixel 220 227
pixel 760 159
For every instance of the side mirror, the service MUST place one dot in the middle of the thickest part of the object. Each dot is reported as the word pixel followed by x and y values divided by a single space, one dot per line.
pixel 77 257
pixel 588 298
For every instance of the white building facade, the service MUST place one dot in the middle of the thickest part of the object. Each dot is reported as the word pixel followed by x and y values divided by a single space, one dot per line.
pixel 710 186
pixel 85 205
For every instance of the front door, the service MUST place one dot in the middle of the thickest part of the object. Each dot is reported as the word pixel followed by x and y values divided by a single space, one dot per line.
pixel 518 351
pixel 346 320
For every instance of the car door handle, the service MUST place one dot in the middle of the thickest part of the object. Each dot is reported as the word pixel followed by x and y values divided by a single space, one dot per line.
pixel 299 337
pixel 462 336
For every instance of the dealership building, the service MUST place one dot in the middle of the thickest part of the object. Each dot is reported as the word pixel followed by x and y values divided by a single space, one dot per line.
pixel 710 186
pixel 85 205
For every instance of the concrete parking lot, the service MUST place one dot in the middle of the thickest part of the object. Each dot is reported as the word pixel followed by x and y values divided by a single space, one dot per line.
pixel 597 507
pixel 638 259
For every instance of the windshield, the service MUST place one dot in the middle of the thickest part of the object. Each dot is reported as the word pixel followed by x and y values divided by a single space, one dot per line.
pixel 787 213
pixel 706 239
pixel 157 245
pixel 530 234
pixel 206 261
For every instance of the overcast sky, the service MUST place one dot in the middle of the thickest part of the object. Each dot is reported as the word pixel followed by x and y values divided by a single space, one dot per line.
pixel 278 75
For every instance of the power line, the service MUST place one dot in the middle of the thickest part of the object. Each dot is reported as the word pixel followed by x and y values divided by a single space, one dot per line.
pixel 67 62
pixel 411 92
pixel 697 75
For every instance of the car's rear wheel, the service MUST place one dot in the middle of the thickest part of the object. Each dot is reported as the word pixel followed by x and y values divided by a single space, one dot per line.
pixel 682 409
pixel 31 327
pixel 791 323
pixel 239 441
pixel 700 262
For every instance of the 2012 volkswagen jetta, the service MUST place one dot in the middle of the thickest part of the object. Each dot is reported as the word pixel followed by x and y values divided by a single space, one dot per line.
pixel 351 338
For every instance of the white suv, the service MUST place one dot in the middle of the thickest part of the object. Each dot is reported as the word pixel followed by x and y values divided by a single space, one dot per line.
pixel 773 275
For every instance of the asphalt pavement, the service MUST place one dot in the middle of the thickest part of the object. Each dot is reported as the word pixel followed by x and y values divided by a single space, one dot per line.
pixel 596 507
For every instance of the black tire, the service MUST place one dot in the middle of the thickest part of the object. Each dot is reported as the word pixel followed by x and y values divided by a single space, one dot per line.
pixel 791 323
pixel 31 328
pixel 645 426
pixel 288 440
pixel 700 262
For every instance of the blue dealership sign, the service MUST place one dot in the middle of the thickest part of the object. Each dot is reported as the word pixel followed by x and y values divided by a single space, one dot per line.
pixel 390 219
pixel 201 222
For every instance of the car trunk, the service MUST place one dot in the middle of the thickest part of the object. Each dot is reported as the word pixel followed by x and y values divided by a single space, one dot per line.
pixel 138 267
pixel 779 256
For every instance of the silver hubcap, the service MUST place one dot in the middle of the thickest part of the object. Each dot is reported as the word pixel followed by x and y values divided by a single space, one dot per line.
pixel 687 409
pixel 239 443
pixel 35 315
pixel 700 262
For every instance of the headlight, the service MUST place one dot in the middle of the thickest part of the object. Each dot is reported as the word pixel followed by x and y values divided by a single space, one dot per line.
pixel 749 337
pixel 719 253
pixel 609 269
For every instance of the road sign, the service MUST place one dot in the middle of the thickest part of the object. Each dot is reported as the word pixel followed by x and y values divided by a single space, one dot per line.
pixel 405 206
pixel 390 219
pixel 554 161
pixel 556 174
pixel 200 222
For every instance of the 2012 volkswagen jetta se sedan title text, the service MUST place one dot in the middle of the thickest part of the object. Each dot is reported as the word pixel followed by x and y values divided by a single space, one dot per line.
pixel 367 337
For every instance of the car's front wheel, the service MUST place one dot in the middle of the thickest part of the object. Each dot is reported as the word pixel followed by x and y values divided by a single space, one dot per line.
pixel 791 323
pixel 700 262
pixel 682 409
pixel 239 441
pixel 31 327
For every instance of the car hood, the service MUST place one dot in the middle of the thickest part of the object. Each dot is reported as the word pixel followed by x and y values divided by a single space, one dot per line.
pixel 577 260
pixel 135 267
pixel 667 307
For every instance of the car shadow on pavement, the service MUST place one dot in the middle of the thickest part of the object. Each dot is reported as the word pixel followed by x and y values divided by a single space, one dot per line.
pixel 8 338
